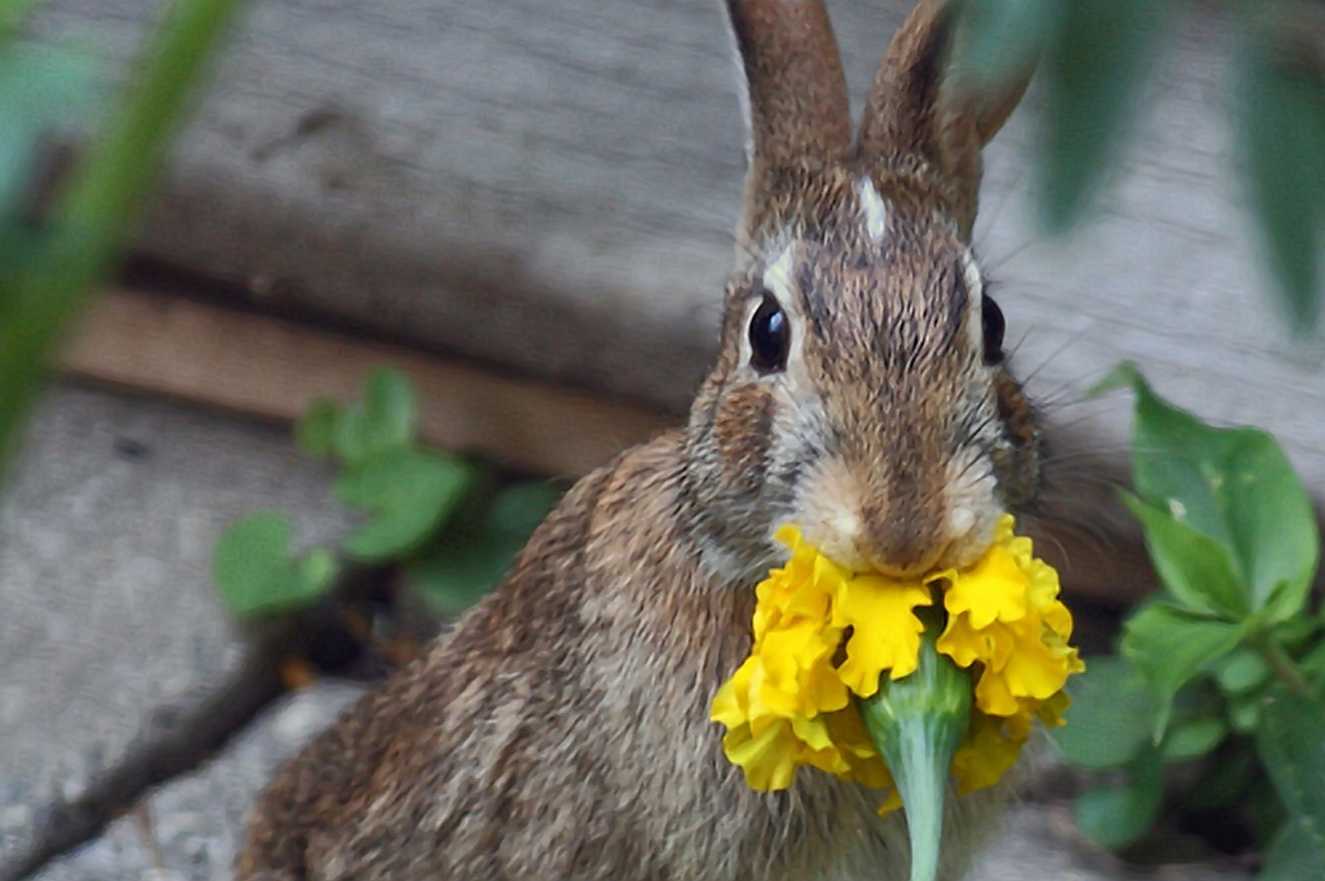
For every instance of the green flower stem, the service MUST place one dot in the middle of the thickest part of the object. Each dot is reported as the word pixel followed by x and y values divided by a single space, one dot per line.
pixel 917 723
pixel 1285 669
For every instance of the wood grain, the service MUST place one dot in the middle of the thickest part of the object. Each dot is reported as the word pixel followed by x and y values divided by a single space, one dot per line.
pixel 274 369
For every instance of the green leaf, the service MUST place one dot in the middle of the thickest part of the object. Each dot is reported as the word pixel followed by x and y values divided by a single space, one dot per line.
pixel 410 493
pixel 468 563
pixel 252 566
pixel 41 89
pixel 1000 37
pixel 1116 816
pixel 1196 569
pixel 315 432
pixel 1112 715
pixel 1242 672
pixel 1296 854
pixel 520 508
pixel 456 575
pixel 1191 740
pixel 1233 486
pixel 98 207
pixel 382 421
pixel 1244 713
pixel 1282 123
pixel 1291 743
pixel 1170 646
pixel 1095 64
pixel 1224 781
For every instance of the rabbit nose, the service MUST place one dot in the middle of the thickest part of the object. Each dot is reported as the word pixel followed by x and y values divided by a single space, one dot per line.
pixel 904 545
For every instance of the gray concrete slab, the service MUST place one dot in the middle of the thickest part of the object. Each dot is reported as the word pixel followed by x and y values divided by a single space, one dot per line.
pixel 108 617
pixel 196 822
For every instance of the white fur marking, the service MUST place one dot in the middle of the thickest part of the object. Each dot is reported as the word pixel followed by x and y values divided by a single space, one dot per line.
pixel 960 521
pixel 975 286
pixel 874 209
pixel 777 277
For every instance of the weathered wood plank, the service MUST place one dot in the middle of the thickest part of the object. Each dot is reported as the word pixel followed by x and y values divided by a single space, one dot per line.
pixel 274 369
pixel 551 185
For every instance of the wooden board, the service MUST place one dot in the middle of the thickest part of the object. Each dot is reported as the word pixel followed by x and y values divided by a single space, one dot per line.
pixel 273 369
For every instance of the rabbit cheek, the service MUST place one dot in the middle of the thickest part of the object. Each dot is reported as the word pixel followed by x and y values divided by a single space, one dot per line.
pixel 1018 463
pixel 741 432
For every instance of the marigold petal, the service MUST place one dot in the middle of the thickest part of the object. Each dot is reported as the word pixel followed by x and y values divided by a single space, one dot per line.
pixel 993 590
pixel 992 695
pixel 768 757
pixel 886 631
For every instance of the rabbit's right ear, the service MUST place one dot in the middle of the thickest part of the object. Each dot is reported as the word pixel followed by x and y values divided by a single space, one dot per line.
pixel 917 107
pixel 797 108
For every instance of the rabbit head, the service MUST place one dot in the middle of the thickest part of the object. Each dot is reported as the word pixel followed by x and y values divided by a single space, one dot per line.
pixel 861 390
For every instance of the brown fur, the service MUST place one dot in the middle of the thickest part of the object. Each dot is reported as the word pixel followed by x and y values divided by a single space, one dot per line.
pixel 562 730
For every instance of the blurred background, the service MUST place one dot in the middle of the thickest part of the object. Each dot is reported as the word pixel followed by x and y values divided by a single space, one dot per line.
pixel 484 244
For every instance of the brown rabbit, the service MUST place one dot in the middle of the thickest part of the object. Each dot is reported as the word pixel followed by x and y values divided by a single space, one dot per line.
pixel 562 730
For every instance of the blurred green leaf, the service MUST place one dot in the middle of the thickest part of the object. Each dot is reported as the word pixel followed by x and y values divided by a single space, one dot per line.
pixel 1113 715
pixel 1196 569
pixel 315 432
pixel 1192 739
pixel 256 574
pixel 1282 123
pixel 519 508
pixel 1225 780
pixel 1241 672
pixel 1291 743
pixel 457 574
pixel 383 420
pixel 1232 485
pixel 1169 646
pixel 1095 64
pixel 1116 816
pixel 1312 664
pixel 1297 853
pixel 98 208
pixel 41 89
pixel 1000 37
pixel 1244 713
pixel 469 562
pixel 410 493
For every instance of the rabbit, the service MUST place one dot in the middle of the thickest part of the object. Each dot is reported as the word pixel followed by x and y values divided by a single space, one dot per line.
pixel 861 391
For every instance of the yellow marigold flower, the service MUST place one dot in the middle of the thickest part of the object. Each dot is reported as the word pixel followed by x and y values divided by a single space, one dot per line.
pixel 789 703
pixel 1004 612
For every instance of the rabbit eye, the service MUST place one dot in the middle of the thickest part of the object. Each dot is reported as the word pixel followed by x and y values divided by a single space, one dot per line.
pixel 770 337
pixel 992 318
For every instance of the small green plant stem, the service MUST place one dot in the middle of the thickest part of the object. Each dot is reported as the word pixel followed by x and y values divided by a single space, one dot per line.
pixel 1285 669
pixel 98 209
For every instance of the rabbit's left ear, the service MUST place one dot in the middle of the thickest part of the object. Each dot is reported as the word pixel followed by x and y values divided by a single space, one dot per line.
pixel 919 108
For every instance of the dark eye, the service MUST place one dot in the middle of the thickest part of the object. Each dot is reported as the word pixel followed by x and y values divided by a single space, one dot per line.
pixel 992 318
pixel 770 336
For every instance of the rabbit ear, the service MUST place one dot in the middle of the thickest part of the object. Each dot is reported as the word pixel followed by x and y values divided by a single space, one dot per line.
pixel 918 108
pixel 797 94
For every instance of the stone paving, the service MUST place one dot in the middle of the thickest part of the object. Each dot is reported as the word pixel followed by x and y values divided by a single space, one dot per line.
pixel 109 626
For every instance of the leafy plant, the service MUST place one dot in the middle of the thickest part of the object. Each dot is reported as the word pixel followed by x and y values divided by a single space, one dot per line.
pixel 439 517
pixel 1225 669
pixel 47 272
pixel 1096 55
